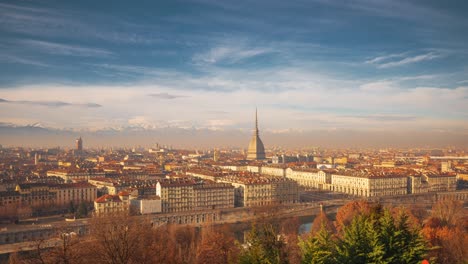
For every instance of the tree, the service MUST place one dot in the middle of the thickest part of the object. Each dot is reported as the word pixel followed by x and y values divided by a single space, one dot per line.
pixel 263 245
pixel 117 238
pixel 217 247
pixel 448 244
pixel 360 243
pixel 403 243
pixel 349 211
pixel 446 232
pixel 453 245
pixel 290 233
pixel 322 221
pixel 14 258
pixel 318 247
pixel 449 211
pixel 66 249
pixel 419 212
pixel 71 208
pixel 185 244
pixel 82 210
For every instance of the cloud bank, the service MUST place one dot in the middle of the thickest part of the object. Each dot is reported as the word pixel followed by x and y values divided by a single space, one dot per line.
pixel 49 103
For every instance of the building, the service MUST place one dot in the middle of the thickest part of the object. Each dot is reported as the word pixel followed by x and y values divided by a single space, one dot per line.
pixel 309 178
pixel 260 190
pixel 34 197
pixel 210 196
pixel 273 170
pixel 256 149
pixel 287 159
pixel 368 184
pixel 75 193
pixel 176 195
pixel 108 203
pixel 79 145
pixel 105 185
pixel 417 185
pixel 446 166
pixel 70 175
pixel 37 195
pixel 211 174
pixel 184 194
pixel 146 205
pixel 441 182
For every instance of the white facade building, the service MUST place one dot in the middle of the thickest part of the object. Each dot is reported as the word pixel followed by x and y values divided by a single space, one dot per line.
pixel 146 205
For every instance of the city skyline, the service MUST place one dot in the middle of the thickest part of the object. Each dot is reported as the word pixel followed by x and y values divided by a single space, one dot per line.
pixel 372 72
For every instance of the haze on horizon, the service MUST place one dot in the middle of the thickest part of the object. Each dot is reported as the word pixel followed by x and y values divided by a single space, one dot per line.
pixel 322 73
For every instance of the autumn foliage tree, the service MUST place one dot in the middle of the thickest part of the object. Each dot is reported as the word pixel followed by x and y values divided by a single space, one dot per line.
pixel 321 221
pixel 349 211
pixel 446 232
pixel 217 246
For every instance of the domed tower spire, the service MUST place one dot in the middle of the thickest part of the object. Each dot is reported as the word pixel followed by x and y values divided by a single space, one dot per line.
pixel 256 149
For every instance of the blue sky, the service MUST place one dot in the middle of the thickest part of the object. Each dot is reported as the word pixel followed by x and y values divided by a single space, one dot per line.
pixel 368 65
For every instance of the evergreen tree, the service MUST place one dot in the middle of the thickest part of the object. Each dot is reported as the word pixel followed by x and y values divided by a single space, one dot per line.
pixel 71 207
pixel 389 236
pixel 319 248
pixel 410 245
pixel 82 210
pixel 360 243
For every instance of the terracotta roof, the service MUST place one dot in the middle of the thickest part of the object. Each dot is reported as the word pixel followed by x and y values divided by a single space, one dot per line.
pixel 123 193
pixel 107 198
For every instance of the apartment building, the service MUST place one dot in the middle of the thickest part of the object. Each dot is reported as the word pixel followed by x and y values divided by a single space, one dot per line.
pixel 259 190
pixel 309 178
pixel 108 203
pixel 189 194
pixel 75 175
pixel 441 182
pixel 29 197
pixel 76 193
pixel 273 170
pixel 369 185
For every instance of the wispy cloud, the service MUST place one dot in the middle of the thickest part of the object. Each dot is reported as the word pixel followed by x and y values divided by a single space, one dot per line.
pixel 389 61
pixel 418 77
pixel 384 117
pixel 64 49
pixel 50 103
pixel 166 96
pixel 408 60
pixel 230 54
pixel 136 70
pixel 379 59
pixel 54 22
pixel 400 10
pixel 18 59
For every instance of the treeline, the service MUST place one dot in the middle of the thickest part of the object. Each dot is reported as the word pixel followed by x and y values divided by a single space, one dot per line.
pixel 362 233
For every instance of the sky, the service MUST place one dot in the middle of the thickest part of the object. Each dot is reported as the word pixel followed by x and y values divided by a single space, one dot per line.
pixel 207 64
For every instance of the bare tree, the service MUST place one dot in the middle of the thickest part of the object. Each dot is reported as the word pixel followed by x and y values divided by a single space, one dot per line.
pixel 116 238
pixel 217 246
pixel 449 211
